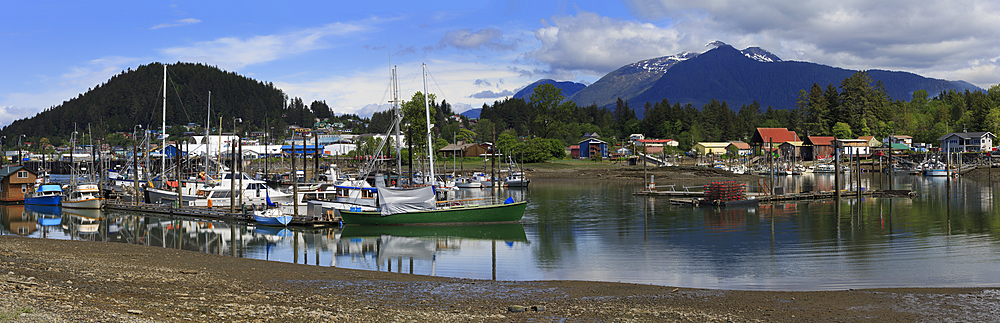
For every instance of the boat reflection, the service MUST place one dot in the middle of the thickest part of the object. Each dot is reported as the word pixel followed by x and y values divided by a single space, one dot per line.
pixel 45 215
pixel 382 244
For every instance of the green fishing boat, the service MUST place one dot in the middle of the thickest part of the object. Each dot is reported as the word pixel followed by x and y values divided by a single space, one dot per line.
pixel 500 213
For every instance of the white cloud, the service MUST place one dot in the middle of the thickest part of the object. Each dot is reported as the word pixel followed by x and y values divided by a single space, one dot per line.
pixel 595 45
pixel 182 22
pixel 487 38
pixel 488 94
pixel 75 81
pixel 234 53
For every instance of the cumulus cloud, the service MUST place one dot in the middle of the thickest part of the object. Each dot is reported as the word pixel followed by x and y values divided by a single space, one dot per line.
pixel 488 94
pixel 234 53
pixel 182 22
pixel 482 82
pixel 595 45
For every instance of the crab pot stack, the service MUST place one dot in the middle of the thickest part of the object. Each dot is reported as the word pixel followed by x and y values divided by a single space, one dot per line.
pixel 725 191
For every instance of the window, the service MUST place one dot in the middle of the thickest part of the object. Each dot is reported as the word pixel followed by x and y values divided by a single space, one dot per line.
pixel 22 174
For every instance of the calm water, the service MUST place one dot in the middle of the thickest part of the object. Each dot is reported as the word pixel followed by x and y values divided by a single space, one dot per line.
pixel 589 230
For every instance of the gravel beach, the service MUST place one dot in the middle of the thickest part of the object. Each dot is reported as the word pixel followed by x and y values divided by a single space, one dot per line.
pixel 74 281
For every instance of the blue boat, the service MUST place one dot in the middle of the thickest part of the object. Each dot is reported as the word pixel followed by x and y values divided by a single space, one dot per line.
pixel 48 195
pixel 271 216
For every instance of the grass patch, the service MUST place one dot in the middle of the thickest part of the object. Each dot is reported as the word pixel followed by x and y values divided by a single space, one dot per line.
pixel 573 164
pixel 7 316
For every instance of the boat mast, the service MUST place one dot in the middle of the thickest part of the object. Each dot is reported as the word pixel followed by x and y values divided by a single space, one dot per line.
pixel 163 127
pixel 208 140
pixel 398 117
pixel 427 110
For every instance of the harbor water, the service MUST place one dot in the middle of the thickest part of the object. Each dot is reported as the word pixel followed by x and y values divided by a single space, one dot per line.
pixel 945 236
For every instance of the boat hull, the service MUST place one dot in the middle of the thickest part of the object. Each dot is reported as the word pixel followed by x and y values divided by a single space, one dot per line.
pixel 93 203
pixel 936 172
pixel 277 220
pixel 43 200
pixel 501 213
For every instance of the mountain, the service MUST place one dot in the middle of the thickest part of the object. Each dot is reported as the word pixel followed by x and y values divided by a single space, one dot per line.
pixel 135 97
pixel 472 113
pixel 740 77
pixel 568 88
pixel 634 79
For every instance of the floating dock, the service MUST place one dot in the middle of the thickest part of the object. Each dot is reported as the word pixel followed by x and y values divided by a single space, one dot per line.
pixel 216 214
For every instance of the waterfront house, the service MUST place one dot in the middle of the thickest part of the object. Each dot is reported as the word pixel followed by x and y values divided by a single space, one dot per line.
pixel 771 138
pixel 791 150
pixel 900 139
pixel 15 180
pixel 817 147
pixel 462 149
pixel 872 142
pixel 854 147
pixel 710 148
pixel 738 148
pixel 967 141
pixel 593 147
pixel 574 151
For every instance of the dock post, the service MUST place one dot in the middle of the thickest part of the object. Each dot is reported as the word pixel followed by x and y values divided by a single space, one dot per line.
pixel 836 170
pixel 652 183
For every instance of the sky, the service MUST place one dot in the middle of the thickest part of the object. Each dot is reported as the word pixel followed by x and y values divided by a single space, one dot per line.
pixel 476 52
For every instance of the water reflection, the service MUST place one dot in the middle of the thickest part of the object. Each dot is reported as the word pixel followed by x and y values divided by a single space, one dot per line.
pixel 946 236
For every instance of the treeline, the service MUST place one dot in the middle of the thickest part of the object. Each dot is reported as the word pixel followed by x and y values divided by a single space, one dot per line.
pixel 134 98
pixel 857 107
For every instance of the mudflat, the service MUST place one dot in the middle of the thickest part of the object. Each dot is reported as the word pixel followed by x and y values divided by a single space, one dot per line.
pixel 62 281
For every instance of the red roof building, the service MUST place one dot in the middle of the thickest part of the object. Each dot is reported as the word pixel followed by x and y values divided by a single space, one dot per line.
pixel 776 136
pixel 818 147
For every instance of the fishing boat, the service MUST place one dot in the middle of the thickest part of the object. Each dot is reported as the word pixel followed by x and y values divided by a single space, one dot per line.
pixel 47 195
pixel 84 196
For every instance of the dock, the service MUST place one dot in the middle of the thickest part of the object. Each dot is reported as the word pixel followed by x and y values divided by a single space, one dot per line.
pixel 698 200
pixel 329 219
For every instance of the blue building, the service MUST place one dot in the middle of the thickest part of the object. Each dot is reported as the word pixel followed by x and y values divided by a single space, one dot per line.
pixel 593 147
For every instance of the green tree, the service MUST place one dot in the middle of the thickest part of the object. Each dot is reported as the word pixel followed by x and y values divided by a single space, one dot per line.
pixel 842 130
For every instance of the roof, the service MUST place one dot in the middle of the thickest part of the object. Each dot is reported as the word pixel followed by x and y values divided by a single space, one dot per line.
pixel 966 135
pixel 7 170
pixel 50 188
pixel 901 136
pixel 571 147
pixel 740 145
pixel 451 147
pixel 900 146
pixel 654 141
pixel 593 140
pixel 793 143
pixel 820 140
pixel 776 135
pixel 713 144
pixel 853 142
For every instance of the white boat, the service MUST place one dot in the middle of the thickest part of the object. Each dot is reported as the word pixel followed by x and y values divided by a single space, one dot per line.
pixel 83 196
pixel 468 182
pixel 516 179
pixel 248 192
pixel 272 217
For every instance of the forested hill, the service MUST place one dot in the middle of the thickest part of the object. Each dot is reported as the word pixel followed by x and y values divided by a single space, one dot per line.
pixel 135 97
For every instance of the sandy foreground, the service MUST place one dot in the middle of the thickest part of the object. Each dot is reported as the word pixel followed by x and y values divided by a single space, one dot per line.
pixel 61 281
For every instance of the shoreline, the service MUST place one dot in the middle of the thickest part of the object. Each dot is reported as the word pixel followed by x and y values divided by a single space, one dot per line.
pixel 58 281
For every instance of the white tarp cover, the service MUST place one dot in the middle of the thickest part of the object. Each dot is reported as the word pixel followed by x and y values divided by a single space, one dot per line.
pixel 394 201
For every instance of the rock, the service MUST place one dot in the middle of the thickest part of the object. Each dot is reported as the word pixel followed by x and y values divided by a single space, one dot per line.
pixel 134 311
pixel 516 309
pixel 538 308
pixel 190 272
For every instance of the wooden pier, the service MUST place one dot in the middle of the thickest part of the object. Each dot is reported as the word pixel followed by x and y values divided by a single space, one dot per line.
pixel 329 219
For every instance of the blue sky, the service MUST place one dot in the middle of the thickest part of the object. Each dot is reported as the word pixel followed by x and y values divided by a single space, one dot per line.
pixel 477 52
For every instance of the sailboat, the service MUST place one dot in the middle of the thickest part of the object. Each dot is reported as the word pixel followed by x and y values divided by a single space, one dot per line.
pixel 418 206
